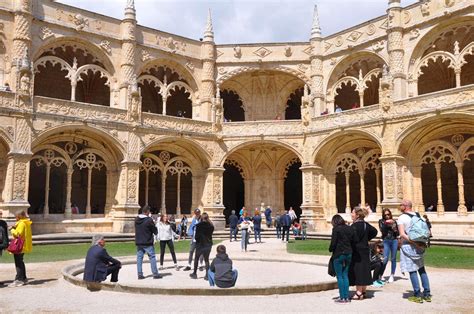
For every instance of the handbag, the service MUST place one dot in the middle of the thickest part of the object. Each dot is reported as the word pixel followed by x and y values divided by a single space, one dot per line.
pixel 16 246
pixel 331 271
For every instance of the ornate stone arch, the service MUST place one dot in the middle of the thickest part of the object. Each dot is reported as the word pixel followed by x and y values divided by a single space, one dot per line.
pixel 436 152
pixel 245 69
pixel 234 161
pixel 347 162
pixel 466 150
pixel 175 66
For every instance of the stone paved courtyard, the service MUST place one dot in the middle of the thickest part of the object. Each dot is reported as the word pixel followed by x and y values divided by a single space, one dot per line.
pixel 48 292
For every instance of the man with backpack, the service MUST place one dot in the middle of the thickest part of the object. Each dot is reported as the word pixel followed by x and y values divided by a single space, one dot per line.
pixel 414 234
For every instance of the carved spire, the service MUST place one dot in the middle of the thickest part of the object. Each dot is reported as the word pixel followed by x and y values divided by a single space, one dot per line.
pixel 316 28
pixel 130 9
pixel 394 4
pixel 208 32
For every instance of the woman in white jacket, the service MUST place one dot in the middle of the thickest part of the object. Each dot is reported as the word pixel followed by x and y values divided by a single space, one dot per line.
pixel 166 236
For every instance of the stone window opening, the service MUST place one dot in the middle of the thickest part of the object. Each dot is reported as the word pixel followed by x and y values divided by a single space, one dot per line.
pixel 293 105
pixel 233 106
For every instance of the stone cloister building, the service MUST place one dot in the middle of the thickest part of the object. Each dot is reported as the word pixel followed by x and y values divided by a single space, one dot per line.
pixel 99 116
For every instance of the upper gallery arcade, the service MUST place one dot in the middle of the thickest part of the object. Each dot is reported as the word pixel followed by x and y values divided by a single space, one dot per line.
pixel 100 116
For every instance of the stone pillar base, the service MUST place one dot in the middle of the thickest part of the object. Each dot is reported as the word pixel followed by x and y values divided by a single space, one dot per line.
pixel 216 215
pixel 124 219
pixel 394 207
pixel 9 209
pixel 312 214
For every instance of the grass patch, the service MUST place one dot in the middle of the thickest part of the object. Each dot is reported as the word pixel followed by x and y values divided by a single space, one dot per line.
pixel 436 256
pixel 65 252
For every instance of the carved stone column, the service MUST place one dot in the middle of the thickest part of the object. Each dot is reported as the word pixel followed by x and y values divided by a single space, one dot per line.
pixel 15 192
pixel 362 187
pixel 127 196
pixel 462 209
pixel 316 58
pixel 348 192
pixel 67 210
pixel 331 202
pixel 21 36
pixel 208 78
pixel 378 184
pixel 127 62
pixel 439 186
pixel 392 167
pixel 312 209
pixel 395 48
pixel 418 190
pixel 213 203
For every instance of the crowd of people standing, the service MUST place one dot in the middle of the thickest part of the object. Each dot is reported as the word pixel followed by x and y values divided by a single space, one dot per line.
pixel 354 257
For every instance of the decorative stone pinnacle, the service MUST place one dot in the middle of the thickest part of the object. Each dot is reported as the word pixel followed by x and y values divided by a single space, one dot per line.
pixel 394 4
pixel 130 4
pixel 316 28
pixel 130 9
pixel 208 32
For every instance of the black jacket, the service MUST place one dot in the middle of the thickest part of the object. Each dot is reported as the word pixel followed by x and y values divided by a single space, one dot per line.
pixel 145 229
pixel 233 221
pixel 342 239
pixel 222 267
pixel 97 262
pixel 204 233
pixel 285 220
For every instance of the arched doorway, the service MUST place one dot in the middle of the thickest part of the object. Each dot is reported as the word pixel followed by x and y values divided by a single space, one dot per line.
pixel 294 187
pixel 234 188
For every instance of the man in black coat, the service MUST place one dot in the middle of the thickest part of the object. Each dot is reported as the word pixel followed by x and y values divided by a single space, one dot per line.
pixel 145 230
pixel 99 264
pixel 285 221
pixel 233 222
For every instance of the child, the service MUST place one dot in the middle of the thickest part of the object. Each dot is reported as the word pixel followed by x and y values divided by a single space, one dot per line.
pixel 376 263
pixel 221 273
pixel 304 226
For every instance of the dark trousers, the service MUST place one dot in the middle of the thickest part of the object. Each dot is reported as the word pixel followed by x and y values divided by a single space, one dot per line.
pixel 20 267
pixel 203 251
pixel 114 270
pixel 233 233
pixel 378 269
pixel 286 229
pixel 163 249
pixel 278 231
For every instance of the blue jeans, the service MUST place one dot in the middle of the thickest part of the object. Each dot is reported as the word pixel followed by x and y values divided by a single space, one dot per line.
pixel 390 248
pixel 244 239
pixel 424 282
pixel 258 235
pixel 211 276
pixel 150 251
pixel 341 266
pixel 233 233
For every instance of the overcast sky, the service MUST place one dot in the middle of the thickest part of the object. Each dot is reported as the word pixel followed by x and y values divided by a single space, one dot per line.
pixel 244 21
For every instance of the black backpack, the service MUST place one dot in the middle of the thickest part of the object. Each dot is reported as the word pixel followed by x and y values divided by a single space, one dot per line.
pixel 4 241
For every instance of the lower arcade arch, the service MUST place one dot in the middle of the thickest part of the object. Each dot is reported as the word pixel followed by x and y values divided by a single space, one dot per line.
pixel 71 176
pixel 262 173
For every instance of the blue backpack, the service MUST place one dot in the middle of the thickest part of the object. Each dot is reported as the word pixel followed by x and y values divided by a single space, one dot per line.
pixel 419 231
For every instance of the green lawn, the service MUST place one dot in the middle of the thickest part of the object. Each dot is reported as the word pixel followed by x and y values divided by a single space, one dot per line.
pixel 64 252
pixel 436 256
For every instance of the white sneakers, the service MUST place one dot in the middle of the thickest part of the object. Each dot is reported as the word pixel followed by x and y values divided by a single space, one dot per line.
pixel 390 279
pixel 16 283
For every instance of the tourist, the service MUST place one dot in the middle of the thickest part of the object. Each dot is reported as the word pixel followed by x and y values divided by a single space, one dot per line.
pixel 3 234
pixel 277 225
pixel 172 222
pixel 359 271
pixel 388 227
pixel 325 112
pixel 338 109
pixel 377 263
pixel 99 264
pixel 304 228
pixel 233 222
pixel 74 209
pixel 242 211
pixel 412 255
pixel 285 221
pixel 183 227
pixel 21 229
pixel 296 229
pixel 166 237
pixel 145 230
pixel 191 232
pixel 221 272
pixel 292 214
pixel 245 226
pixel 342 240
pixel 268 216
pixel 203 236
pixel 257 226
